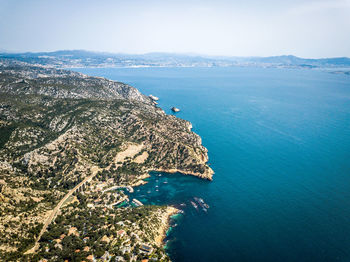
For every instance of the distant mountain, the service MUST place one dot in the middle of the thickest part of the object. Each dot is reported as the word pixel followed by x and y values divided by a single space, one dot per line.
pixel 293 60
pixel 82 58
pixel 4 50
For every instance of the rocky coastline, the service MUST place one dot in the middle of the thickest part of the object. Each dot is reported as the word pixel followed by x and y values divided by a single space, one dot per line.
pixel 165 224
pixel 208 174
pixel 67 133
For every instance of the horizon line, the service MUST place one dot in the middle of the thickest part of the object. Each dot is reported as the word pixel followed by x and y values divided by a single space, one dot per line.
pixel 4 51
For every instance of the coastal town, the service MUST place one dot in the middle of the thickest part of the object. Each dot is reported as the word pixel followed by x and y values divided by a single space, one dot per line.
pixel 93 224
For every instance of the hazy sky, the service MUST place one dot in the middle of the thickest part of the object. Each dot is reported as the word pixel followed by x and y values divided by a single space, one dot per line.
pixel 306 28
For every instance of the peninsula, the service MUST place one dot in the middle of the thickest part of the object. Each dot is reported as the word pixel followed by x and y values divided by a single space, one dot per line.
pixel 66 138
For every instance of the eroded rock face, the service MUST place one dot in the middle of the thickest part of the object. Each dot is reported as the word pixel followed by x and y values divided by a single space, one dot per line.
pixel 95 112
pixel 59 128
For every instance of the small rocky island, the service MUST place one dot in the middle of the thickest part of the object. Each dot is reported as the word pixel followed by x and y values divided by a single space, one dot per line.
pixel 66 138
pixel 154 98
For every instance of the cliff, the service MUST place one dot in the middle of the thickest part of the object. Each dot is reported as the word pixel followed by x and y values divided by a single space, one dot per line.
pixel 59 128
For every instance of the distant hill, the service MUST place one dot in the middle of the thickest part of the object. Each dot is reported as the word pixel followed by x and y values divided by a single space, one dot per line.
pixel 82 58
pixel 294 60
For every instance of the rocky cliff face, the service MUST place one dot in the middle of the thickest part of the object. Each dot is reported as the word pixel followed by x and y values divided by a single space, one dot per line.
pixel 40 104
pixel 59 128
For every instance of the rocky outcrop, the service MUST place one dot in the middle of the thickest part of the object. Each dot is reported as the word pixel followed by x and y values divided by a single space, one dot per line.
pixel 164 218
pixel 207 174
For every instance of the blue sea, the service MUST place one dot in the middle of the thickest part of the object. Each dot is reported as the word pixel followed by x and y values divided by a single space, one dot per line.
pixel 279 143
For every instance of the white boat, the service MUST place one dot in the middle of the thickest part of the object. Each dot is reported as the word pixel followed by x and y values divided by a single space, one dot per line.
pixel 175 109
pixel 194 204
pixel 201 202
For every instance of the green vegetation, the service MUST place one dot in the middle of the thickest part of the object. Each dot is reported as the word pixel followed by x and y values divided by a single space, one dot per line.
pixel 59 128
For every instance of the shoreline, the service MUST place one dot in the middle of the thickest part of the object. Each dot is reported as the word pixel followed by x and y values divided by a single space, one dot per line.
pixel 141 179
pixel 165 224
pixel 208 175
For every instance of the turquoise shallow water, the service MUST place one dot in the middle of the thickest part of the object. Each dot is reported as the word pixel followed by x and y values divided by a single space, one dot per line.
pixel 279 142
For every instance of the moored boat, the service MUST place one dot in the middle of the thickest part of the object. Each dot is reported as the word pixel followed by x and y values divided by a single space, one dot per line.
pixel 194 204
pixel 201 202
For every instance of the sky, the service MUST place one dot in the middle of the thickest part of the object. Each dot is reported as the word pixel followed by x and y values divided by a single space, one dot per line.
pixel 305 28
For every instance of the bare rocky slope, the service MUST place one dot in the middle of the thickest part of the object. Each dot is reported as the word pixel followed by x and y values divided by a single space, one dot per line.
pixel 57 126
pixel 40 104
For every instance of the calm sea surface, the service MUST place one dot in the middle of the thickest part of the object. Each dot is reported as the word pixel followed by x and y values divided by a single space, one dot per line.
pixel 279 143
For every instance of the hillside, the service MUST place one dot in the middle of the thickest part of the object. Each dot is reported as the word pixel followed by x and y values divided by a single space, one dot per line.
pixel 81 58
pixel 59 128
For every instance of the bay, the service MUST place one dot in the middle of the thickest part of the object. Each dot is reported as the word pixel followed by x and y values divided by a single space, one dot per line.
pixel 279 143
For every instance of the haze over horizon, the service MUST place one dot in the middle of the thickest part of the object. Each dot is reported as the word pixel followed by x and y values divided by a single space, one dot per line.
pixel 309 29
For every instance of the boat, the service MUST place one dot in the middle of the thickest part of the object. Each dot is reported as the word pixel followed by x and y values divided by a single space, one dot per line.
pixel 201 202
pixel 198 200
pixel 165 182
pixel 175 109
pixel 194 204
